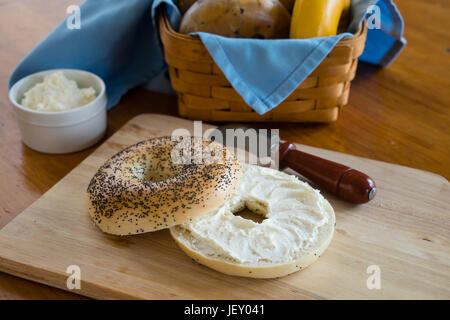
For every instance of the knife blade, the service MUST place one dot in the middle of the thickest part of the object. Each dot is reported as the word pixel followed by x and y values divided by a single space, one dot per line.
pixel 347 183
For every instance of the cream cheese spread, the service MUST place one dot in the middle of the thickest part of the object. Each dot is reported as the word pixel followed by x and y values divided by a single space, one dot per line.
pixel 293 211
pixel 57 93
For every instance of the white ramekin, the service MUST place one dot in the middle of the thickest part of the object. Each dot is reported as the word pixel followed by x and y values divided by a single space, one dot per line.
pixel 61 131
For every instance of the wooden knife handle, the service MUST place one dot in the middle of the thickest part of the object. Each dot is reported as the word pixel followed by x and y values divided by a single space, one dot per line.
pixel 347 183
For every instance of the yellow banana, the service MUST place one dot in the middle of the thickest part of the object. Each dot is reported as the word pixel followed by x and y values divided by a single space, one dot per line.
pixel 317 18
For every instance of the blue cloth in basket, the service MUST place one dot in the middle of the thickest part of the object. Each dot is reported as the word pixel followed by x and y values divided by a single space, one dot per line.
pixel 118 41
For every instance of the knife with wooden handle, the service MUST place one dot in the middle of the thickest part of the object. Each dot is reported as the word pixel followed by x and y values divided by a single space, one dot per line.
pixel 345 182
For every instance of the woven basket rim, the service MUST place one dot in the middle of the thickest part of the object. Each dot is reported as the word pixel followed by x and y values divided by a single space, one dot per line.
pixel 361 32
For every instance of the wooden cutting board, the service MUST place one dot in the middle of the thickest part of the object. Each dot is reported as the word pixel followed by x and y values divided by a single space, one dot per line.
pixel 404 231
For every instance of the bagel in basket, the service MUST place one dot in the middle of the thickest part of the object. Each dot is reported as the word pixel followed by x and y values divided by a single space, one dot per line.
pixel 260 19
pixel 142 188
pixel 298 226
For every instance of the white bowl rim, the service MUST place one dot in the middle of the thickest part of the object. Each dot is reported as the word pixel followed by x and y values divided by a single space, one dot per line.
pixel 19 82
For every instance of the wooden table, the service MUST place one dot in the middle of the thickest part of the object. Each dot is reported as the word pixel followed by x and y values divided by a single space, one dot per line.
pixel 400 114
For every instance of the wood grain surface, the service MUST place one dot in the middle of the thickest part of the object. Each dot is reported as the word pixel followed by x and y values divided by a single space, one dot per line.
pixel 399 114
pixel 404 231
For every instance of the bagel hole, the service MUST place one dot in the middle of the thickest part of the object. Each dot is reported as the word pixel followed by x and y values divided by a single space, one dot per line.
pixel 253 210
pixel 161 170
pixel 154 176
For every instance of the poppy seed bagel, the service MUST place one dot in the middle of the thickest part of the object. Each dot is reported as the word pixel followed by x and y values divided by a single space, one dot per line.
pixel 141 188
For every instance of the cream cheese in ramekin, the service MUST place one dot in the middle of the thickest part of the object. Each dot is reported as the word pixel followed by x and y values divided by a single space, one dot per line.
pixel 57 93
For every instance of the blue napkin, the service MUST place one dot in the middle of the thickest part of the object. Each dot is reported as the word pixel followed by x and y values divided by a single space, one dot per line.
pixel 118 41
pixel 383 45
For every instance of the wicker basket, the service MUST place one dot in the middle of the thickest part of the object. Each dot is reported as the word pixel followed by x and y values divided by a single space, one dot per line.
pixel 205 94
